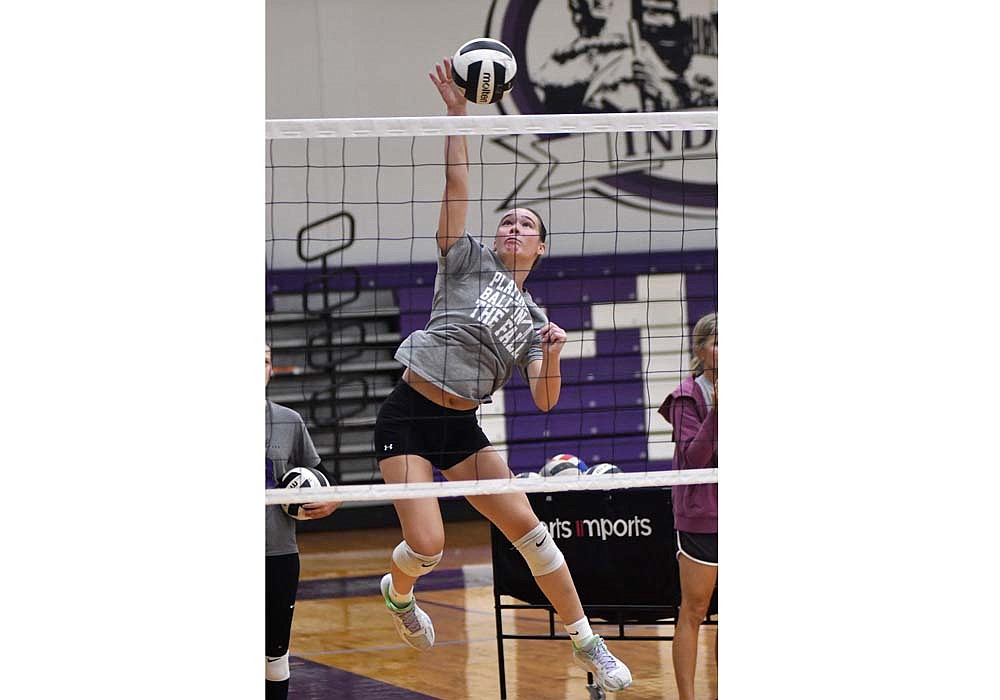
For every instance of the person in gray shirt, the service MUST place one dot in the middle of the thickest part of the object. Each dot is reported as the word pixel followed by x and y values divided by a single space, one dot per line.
pixel 287 444
pixel 482 324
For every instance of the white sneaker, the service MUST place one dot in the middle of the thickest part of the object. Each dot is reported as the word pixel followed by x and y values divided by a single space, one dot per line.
pixel 412 623
pixel 610 673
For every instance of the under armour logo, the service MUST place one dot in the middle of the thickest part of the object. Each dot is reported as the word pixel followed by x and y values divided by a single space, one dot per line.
pixel 387 447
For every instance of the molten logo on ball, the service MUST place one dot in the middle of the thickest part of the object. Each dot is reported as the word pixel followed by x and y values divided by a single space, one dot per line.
pixel 485 89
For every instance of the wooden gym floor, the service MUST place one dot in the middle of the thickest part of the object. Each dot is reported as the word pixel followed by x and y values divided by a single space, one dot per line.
pixel 344 645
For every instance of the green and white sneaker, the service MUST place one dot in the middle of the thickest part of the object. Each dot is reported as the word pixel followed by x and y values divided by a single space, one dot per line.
pixel 412 623
pixel 610 673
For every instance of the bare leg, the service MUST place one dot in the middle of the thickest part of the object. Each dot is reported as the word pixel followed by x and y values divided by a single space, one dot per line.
pixel 513 516
pixel 420 518
pixel 697 584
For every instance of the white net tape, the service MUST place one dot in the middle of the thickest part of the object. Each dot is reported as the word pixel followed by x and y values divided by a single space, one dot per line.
pixel 707 120
pixel 583 482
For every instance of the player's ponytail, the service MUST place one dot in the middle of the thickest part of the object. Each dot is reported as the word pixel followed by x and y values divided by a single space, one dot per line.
pixel 542 232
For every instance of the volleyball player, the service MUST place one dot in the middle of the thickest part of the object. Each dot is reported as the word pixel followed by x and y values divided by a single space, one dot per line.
pixel 482 325
pixel 287 445
pixel 692 410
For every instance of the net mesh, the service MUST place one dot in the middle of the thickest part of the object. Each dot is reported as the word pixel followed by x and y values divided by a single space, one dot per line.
pixel 630 204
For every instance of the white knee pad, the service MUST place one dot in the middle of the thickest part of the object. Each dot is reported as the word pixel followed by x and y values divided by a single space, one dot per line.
pixel 276 669
pixel 413 564
pixel 538 549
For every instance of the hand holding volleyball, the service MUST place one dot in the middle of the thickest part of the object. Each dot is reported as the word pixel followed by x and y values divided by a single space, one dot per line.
pixel 302 478
pixel 314 511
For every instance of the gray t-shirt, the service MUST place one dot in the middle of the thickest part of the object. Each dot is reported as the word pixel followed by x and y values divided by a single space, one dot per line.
pixel 481 325
pixel 287 445
pixel 706 389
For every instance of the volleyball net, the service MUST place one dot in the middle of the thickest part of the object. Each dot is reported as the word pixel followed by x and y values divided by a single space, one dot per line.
pixel 629 201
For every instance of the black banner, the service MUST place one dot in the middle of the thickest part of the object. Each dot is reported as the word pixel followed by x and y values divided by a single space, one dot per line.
pixel 619 546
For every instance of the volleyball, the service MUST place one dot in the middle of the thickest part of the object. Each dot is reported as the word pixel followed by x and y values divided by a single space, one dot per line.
pixel 301 478
pixel 563 465
pixel 484 70
pixel 603 468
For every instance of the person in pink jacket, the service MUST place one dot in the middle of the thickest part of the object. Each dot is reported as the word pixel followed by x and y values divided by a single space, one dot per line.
pixel 692 409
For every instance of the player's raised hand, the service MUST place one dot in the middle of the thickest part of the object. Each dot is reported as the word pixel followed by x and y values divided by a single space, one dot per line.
pixel 453 99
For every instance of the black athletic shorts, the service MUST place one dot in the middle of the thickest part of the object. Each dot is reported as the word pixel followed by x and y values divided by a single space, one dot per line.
pixel 411 424
pixel 281 582
pixel 702 547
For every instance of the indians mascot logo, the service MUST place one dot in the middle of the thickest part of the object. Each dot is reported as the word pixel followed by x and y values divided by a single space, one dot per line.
pixel 585 56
